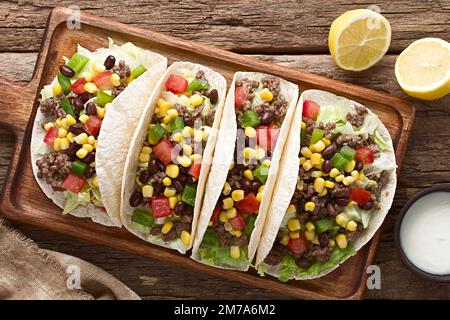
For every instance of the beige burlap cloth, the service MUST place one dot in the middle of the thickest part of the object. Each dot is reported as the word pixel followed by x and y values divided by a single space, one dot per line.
pixel 28 272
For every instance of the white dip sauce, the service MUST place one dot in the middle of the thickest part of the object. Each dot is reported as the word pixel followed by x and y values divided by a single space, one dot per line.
pixel 425 233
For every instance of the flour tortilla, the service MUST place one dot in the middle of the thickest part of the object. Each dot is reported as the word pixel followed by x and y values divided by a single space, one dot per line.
pixel 116 133
pixel 224 156
pixel 216 81
pixel 287 181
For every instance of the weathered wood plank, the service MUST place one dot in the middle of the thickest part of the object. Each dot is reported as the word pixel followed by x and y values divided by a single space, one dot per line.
pixel 425 164
pixel 268 26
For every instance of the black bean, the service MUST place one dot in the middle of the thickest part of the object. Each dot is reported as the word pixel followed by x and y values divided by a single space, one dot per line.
pixel 267 118
pixel 72 152
pixel 367 206
pixel 85 96
pixel 341 201
pixel 89 172
pixel 331 210
pixel 78 105
pixel 213 96
pixel 110 62
pixel 246 185
pixel 188 121
pixel 329 151
pixel 136 198
pixel 91 109
pixel 144 176
pixel 182 178
pixel 156 231
pixel 255 185
pixel 359 165
pixel 304 263
pixel 158 188
pixel 76 129
pixel 179 208
pixel 323 239
pixel 326 167
pixel 67 71
pixel 161 166
pixel 178 186
pixel 89 158
pixel 153 166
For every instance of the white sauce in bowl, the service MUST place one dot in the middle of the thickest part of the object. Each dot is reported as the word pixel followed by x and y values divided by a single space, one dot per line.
pixel 425 233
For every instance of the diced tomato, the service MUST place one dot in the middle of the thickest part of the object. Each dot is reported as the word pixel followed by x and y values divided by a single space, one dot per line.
pixel 267 136
pixel 51 135
pixel 310 109
pixel 93 125
pixel 215 214
pixel 73 183
pixel 163 151
pixel 360 195
pixel 237 223
pixel 103 80
pixel 298 246
pixel 364 154
pixel 248 205
pixel 176 84
pixel 160 207
pixel 195 168
pixel 240 96
pixel 78 86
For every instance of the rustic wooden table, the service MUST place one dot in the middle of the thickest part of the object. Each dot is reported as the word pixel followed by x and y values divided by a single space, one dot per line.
pixel 292 33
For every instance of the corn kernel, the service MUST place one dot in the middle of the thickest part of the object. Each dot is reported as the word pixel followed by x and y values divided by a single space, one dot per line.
pixel 48 126
pixel 261 189
pixel 331 243
pixel 341 241
pixel 63 123
pixel 196 100
pixel 231 213
pixel 187 132
pixel 351 225
pixel 339 178
pixel 167 227
pixel 307 165
pixel 163 108
pixel 91 140
pixel 167 181
pixel 140 184
pixel 147 191
pixel 223 216
pixel 88 147
pixel 293 224
pixel 350 166
pixel 70 136
pixel 236 233
pixel 172 202
pixel 185 237
pixel 144 157
pixel 115 79
pixel 250 132
pixel 62 133
pixel 310 206
pixel 196 158
pixel 301 160
pixel 329 184
pixel 300 185
pixel 101 112
pixel 98 67
pixel 348 180
pixel 326 141
pixel 94 181
pixel 315 158
pixel 319 184
pixel 226 189
pixel 341 219
pixel 90 87
pixel 82 153
pixel 315 240
pixel 57 90
pixel 70 120
pixel 285 240
pixel 316 174
pixel 266 95
pixel 294 234
pixel 231 165
pixel 167 119
pixel 87 76
pixel 185 161
pixel 173 113
pixel 319 146
pixel 334 173
pixel 170 192
pixel 355 174
pixel 260 153
pixel 309 235
pixel 172 170
pixel 84 118
pixel 237 195
pixel 306 152
pixel 259 196
pixel 64 144
pixel 145 149
pixel 291 209
pixel 248 174
pixel 228 203
pixel 266 163
pixel 303 125
pixel 323 193
pixel 362 176
pixel 177 137
pixel 310 226
pixel 235 252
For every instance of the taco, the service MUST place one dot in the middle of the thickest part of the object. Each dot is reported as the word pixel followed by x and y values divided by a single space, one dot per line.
pixel 73 132
pixel 336 184
pixel 170 156
pixel 253 130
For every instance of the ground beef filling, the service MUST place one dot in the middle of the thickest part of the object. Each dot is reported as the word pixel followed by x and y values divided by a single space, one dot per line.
pixel 53 167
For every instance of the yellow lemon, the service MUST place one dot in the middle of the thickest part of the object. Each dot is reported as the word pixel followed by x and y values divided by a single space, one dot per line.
pixel 358 39
pixel 423 69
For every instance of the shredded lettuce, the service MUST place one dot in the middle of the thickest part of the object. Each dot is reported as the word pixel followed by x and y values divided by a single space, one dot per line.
pixel 262 269
pixel 73 200
pixel 354 213
pixel 334 113
pixel 382 144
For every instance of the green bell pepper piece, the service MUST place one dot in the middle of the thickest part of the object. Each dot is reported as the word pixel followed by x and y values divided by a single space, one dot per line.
pixel 249 119
pixel 189 193
pixel 197 84
pixel 140 69
pixel 67 107
pixel 261 173
pixel 156 133
pixel 64 82
pixel 175 124
pixel 302 136
pixel 348 153
pixel 250 225
pixel 317 134
pixel 77 62
pixel 79 168
pixel 103 98
pixel 210 239
pixel 339 161
pixel 325 224
pixel 143 217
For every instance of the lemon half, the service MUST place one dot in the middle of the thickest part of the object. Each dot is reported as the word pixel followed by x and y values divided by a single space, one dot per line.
pixel 358 39
pixel 423 69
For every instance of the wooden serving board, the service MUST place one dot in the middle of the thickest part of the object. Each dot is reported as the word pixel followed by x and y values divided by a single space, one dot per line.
pixel 23 201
